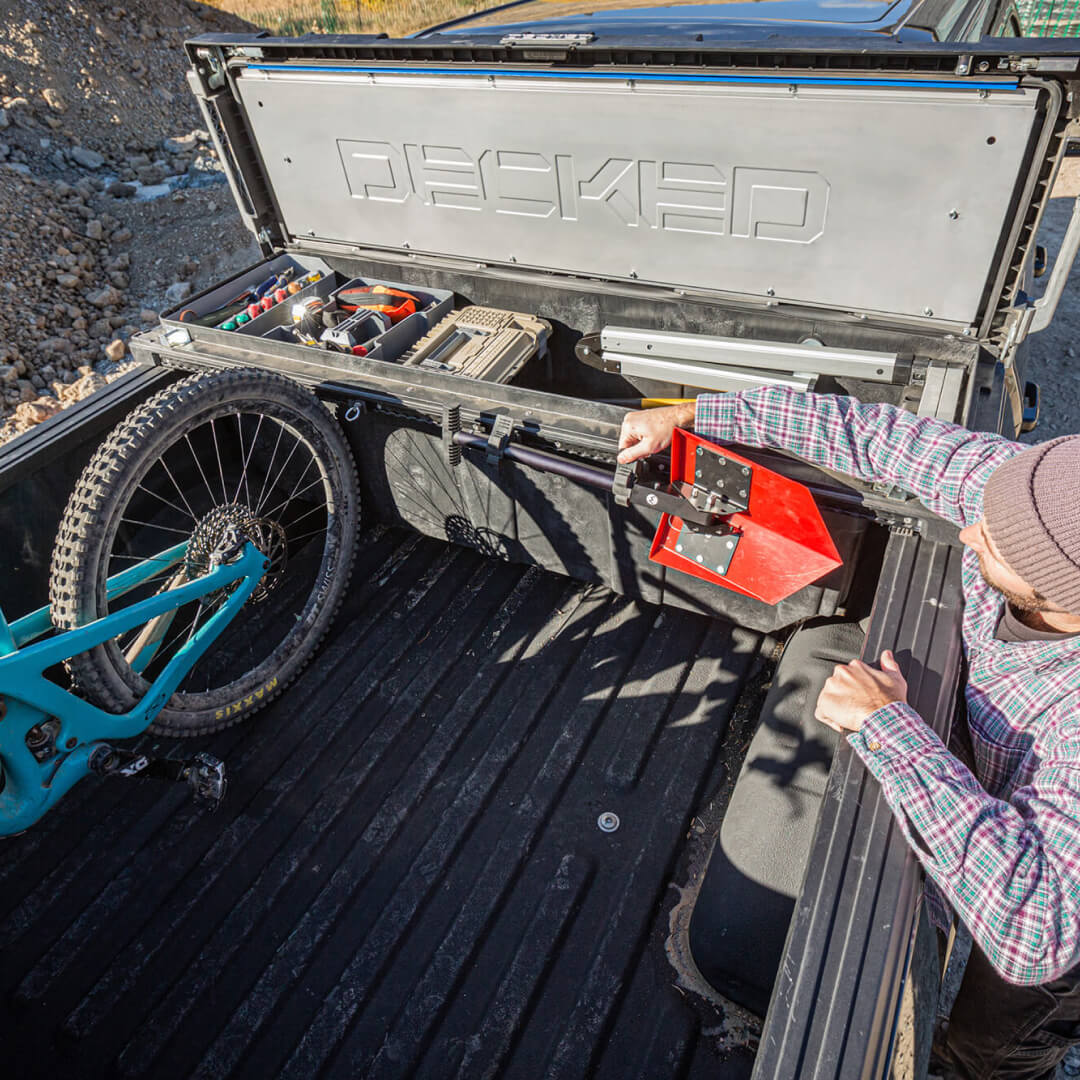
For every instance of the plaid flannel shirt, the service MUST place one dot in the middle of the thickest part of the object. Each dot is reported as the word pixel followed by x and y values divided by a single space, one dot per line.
pixel 1002 845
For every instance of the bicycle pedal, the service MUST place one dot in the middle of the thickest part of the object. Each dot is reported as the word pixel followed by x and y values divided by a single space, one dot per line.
pixel 206 778
pixel 203 773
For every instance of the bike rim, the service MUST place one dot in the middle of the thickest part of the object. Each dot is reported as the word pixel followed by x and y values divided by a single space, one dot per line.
pixel 245 470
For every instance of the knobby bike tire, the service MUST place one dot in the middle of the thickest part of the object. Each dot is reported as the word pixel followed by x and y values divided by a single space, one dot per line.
pixel 114 479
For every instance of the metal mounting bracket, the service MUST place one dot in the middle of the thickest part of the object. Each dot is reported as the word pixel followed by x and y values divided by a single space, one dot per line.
pixel 451 425
pixel 501 431
pixel 623 484
pixel 721 486
pixel 712 548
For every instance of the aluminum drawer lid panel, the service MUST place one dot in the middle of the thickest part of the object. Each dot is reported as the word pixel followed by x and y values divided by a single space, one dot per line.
pixel 876 195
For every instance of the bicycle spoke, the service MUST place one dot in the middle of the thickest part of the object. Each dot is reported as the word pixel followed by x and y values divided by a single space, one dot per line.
pixel 243 474
pixel 161 498
pixel 294 493
pixel 307 536
pixel 221 470
pixel 179 490
pixel 270 467
pixel 151 525
pixel 281 472
pixel 198 465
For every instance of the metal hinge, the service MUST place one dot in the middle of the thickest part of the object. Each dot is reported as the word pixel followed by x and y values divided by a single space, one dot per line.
pixel 211 71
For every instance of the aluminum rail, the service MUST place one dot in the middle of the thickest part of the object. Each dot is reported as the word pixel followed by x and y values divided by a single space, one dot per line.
pixel 771 356
pixel 706 376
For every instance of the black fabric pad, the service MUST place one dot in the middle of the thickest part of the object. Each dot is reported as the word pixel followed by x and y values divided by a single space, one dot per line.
pixel 741 917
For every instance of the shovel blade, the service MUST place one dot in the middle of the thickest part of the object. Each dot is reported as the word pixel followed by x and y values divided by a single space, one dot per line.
pixel 781 541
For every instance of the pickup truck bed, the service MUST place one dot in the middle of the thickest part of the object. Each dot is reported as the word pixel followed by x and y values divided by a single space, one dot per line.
pixel 407 877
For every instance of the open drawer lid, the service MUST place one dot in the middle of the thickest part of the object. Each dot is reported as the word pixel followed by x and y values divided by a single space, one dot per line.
pixel 893 192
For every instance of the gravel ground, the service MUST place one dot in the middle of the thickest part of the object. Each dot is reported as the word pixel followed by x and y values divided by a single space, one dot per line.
pixel 1054 354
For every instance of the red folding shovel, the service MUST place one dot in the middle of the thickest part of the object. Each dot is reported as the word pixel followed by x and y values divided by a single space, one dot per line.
pixel 766 538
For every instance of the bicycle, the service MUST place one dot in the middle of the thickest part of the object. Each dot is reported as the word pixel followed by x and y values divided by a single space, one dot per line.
pixel 200 561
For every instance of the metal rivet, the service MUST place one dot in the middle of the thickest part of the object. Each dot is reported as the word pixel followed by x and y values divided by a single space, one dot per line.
pixel 745 470
pixel 742 493
pixel 984 65
pixel 698 474
pixel 633 273
pixel 792 89
pixel 651 499
pixel 954 213
pixel 607 821
pixel 678 547
pixel 729 544
pixel 770 292
pixel 928 311
pixel 701 558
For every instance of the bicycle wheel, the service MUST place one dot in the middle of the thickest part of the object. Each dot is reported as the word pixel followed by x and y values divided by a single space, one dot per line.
pixel 215 455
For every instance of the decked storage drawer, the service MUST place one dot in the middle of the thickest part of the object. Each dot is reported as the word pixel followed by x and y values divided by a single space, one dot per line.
pixel 798 256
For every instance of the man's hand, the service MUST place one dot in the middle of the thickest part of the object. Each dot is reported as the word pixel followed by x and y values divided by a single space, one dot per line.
pixel 649 431
pixel 855 690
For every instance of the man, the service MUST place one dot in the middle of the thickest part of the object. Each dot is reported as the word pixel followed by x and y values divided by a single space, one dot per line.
pixel 999 835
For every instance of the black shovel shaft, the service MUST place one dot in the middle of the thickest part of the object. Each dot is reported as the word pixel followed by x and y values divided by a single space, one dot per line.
pixel 541 459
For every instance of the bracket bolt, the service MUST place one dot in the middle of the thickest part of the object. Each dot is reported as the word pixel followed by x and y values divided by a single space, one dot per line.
pixel 607 821
pixel 928 311
pixel 954 213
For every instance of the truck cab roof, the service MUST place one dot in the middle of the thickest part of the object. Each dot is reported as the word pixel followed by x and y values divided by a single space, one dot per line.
pixel 743 20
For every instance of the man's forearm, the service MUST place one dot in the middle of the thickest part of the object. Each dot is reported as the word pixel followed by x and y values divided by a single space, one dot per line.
pixel 993 860
pixel 946 466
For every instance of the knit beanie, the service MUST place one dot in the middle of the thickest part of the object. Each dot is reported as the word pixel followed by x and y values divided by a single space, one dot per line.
pixel 1031 508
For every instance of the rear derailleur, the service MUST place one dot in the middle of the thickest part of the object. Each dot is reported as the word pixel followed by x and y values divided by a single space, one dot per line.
pixel 204 774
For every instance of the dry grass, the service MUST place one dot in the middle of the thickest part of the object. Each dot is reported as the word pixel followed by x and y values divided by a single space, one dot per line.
pixel 287 18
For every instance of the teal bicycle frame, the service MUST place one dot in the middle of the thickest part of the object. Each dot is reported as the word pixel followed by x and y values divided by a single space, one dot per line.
pixel 27 697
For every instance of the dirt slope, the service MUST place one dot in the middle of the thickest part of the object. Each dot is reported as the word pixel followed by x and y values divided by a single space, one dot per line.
pixel 110 192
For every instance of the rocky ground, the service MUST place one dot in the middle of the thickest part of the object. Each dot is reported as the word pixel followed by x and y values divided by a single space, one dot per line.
pixel 112 201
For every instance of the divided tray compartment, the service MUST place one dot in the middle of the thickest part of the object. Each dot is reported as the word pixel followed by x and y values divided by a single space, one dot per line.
pixel 220 294
pixel 393 343
pixel 280 315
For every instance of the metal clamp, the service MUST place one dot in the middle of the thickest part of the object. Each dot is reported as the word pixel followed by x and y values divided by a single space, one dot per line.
pixel 451 425
pixel 501 431
pixel 625 476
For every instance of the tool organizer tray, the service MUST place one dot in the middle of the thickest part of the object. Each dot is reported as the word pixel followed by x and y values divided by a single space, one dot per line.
pixel 274 324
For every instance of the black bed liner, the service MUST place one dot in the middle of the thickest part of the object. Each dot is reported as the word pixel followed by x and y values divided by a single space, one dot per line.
pixel 407 878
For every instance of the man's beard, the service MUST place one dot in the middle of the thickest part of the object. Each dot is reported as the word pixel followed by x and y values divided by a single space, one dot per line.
pixel 1023 604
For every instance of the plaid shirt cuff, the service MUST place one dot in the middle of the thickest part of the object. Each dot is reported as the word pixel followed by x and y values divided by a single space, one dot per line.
pixel 890 738
pixel 715 416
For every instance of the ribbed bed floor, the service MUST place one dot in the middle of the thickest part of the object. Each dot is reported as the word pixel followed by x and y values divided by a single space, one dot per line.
pixel 407 878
